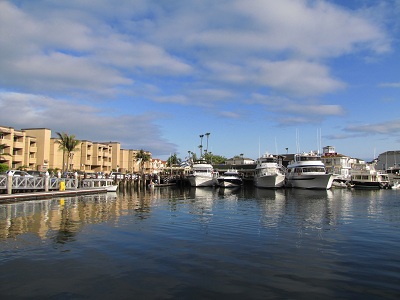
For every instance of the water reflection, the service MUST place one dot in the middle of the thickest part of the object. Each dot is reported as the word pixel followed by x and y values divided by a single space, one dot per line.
pixel 311 212
pixel 203 243
pixel 273 203
pixel 64 216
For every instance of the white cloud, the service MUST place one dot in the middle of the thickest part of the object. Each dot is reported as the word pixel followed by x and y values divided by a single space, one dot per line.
pixel 390 84
pixel 230 114
pixel 203 53
pixel 389 127
pixel 291 112
pixel 133 131
pixel 312 28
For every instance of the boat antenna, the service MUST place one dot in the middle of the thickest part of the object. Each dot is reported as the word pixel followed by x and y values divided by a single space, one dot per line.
pixel 319 140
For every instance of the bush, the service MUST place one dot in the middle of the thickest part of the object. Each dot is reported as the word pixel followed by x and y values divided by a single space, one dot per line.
pixel 3 168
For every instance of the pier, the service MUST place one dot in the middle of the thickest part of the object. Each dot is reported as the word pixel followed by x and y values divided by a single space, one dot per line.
pixel 19 188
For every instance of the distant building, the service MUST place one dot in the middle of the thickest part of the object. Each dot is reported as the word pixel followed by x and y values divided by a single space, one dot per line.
pixel 336 163
pixel 388 159
pixel 239 160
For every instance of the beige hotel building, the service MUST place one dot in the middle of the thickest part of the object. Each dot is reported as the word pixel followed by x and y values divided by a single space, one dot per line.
pixel 35 149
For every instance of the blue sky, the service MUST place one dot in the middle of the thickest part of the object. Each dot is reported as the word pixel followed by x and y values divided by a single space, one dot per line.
pixel 261 75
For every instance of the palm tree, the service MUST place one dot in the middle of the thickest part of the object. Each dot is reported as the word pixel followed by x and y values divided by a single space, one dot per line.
pixel 207 135
pixel 201 144
pixel 62 141
pixel 142 157
pixel 173 160
pixel 67 143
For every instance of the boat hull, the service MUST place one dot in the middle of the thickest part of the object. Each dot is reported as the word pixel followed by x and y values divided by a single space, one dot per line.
pixel 270 181
pixel 369 185
pixel 310 181
pixel 227 182
pixel 111 188
pixel 198 181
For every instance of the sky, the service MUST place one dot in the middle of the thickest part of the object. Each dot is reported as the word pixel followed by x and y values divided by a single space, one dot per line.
pixel 258 75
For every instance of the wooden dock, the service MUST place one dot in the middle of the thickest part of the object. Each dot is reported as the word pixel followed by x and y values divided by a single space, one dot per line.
pixel 9 198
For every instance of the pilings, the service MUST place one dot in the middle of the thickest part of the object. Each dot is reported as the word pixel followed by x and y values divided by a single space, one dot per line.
pixel 143 181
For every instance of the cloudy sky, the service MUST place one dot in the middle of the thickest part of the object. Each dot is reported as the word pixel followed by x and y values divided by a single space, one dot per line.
pixel 258 75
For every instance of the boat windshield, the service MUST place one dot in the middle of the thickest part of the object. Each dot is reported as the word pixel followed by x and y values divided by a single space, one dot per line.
pixel 310 158
pixel 313 170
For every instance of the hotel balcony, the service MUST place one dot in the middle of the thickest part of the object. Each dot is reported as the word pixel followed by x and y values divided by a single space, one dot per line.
pixel 18 145
pixel 17 158
pixel 32 160
pixel 6 142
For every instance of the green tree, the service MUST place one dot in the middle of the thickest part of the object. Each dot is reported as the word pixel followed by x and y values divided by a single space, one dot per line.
pixel 173 160
pixel 214 159
pixel 68 144
pixel 142 157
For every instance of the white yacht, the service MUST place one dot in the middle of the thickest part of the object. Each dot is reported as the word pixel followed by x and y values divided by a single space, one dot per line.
pixel 307 171
pixel 231 178
pixel 367 177
pixel 269 172
pixel 202 174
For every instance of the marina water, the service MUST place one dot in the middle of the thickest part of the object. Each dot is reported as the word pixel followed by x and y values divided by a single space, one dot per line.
pixel 203 243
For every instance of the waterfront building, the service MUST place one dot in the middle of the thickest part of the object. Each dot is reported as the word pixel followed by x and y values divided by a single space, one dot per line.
pixel 35 149
pixel 19 148
pixel 240 160
pixel 336 163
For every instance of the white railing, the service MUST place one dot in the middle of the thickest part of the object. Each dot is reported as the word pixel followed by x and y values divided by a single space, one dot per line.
pixel 21 183
pixel 27 183
pixel 3 181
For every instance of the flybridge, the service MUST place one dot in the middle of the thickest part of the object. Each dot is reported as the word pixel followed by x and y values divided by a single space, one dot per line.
pixel 307 157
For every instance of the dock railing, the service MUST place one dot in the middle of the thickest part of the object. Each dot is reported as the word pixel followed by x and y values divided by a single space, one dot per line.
pixel 17 184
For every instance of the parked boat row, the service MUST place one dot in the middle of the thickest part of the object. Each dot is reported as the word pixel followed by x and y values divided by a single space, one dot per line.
pixel 306 171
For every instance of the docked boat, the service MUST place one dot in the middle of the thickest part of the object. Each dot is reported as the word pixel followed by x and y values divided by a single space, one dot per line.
pixel 307 171
pixel 202 174
pixel 365 176
pixel 394 174
pixel 395 185
pixel 340 182
pixel 269 172
pixel 231 178
pixel 106 183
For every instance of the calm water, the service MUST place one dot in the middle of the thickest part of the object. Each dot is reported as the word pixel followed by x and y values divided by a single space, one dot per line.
pixel 203 243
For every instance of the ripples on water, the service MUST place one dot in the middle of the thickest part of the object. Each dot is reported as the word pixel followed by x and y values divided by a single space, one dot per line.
pixel 203 243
